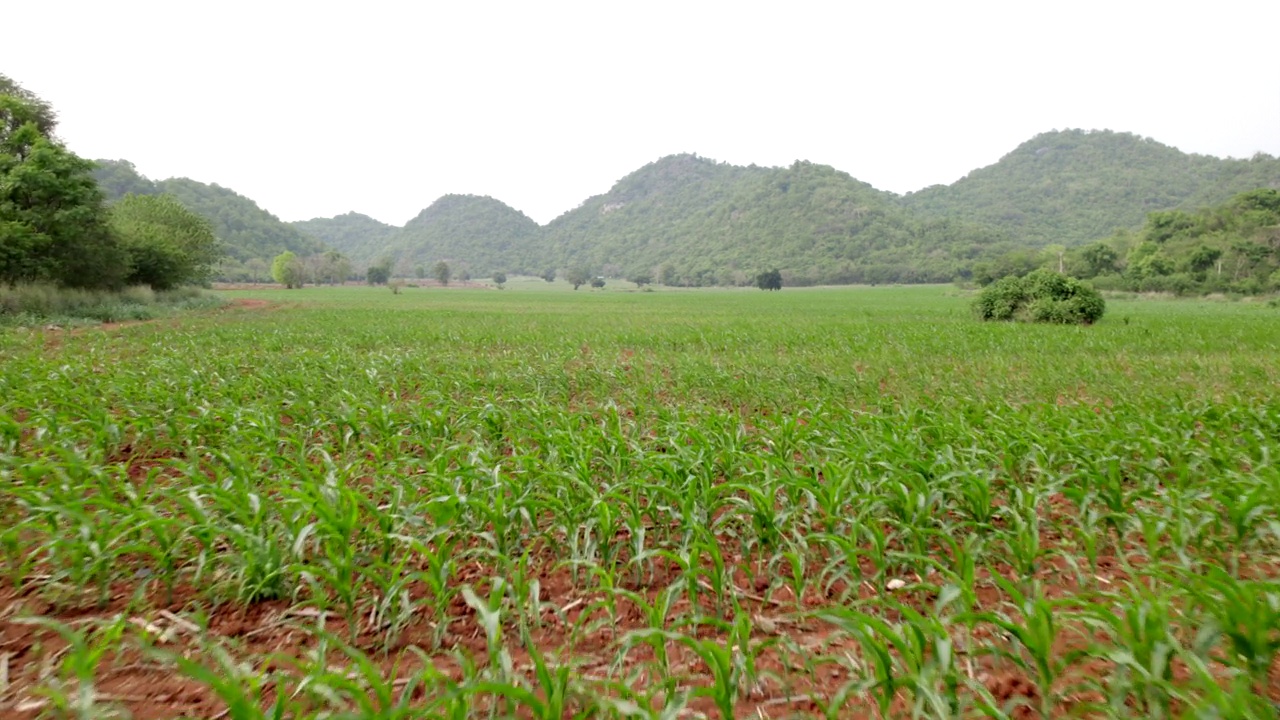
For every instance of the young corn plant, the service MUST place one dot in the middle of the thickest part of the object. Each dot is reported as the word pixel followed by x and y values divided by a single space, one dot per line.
pixel 555 694
pixel 1033 631
pixel 489 614
pixel 245 690
pixel 361 688
pixel 72 693
pixel 1246 613
pixel 1142 647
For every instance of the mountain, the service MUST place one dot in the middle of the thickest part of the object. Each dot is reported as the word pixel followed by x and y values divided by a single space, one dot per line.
pixel 718 223
pixel 1075 186
pixel 246 230
pixel 694 221
pixel 357 236
pixel 478 235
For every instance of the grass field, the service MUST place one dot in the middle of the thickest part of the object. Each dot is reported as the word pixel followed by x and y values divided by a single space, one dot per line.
pixel 533 503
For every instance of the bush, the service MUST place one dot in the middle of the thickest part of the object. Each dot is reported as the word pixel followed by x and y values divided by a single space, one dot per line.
pixel 30 303
pixel 1002 299
pixel 1042 296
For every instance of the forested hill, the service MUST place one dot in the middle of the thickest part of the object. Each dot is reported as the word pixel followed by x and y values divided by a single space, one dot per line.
pixel 246 230
pixel 481 233
pixel 359 237
pixel 474 234
pixel 1074 186
pixel 689 220
pixel 702 222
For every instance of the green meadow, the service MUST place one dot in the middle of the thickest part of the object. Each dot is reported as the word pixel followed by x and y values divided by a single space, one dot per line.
pixel 535 502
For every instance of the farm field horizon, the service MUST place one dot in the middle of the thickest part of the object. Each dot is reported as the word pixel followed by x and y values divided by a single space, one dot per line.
pixel 822 502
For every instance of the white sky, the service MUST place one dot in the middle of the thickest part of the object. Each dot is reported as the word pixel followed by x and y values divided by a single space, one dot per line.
pixel 314 109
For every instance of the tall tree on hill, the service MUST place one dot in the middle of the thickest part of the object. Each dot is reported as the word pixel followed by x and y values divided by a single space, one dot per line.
pixel 441 272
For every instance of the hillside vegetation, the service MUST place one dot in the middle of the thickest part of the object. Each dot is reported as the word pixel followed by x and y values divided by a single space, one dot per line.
pixel 246 230
pixel 1073 186
pixel 690 221
pixel 478 235
pixel 687 220
pixel 716 223
pixel 357 236
pixel 1232 247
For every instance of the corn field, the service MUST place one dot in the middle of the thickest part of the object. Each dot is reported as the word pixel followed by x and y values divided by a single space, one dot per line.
pixel 853 503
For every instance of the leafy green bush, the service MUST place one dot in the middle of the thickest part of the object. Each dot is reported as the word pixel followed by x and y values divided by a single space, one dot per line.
pixel 1002 299
pixel 1042 296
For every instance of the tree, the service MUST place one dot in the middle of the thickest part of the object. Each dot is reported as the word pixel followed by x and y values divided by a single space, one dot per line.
pixel 1164 225
pixel 168 245
pixel 641 278
pixel 577 276
pixel 257 269
pixel 332 268
pixel 667 274
pixel 1202 258
pixel 378 274
pixel 499 279
pixel 549 274
pixel 441 272
pixel 1100 258
pixel 53 223
pixel 769 280
pixel 287 270
pixel 36 110
pixel 597 282
pixel 1014 263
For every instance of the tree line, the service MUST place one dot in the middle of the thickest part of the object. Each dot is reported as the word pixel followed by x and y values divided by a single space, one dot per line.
pixel 1231 247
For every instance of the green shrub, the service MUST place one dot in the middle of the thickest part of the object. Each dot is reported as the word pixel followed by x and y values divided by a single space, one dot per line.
pixel 1042 296
pixel 1002 299
pixel 27 303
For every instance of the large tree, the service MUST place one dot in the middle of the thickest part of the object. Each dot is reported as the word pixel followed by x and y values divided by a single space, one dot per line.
pixel 168 244
pixel 36 110
pixel 53 224
pixel 287 270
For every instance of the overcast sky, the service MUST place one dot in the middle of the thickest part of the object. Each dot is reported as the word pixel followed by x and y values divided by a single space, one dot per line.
pixel 315 109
